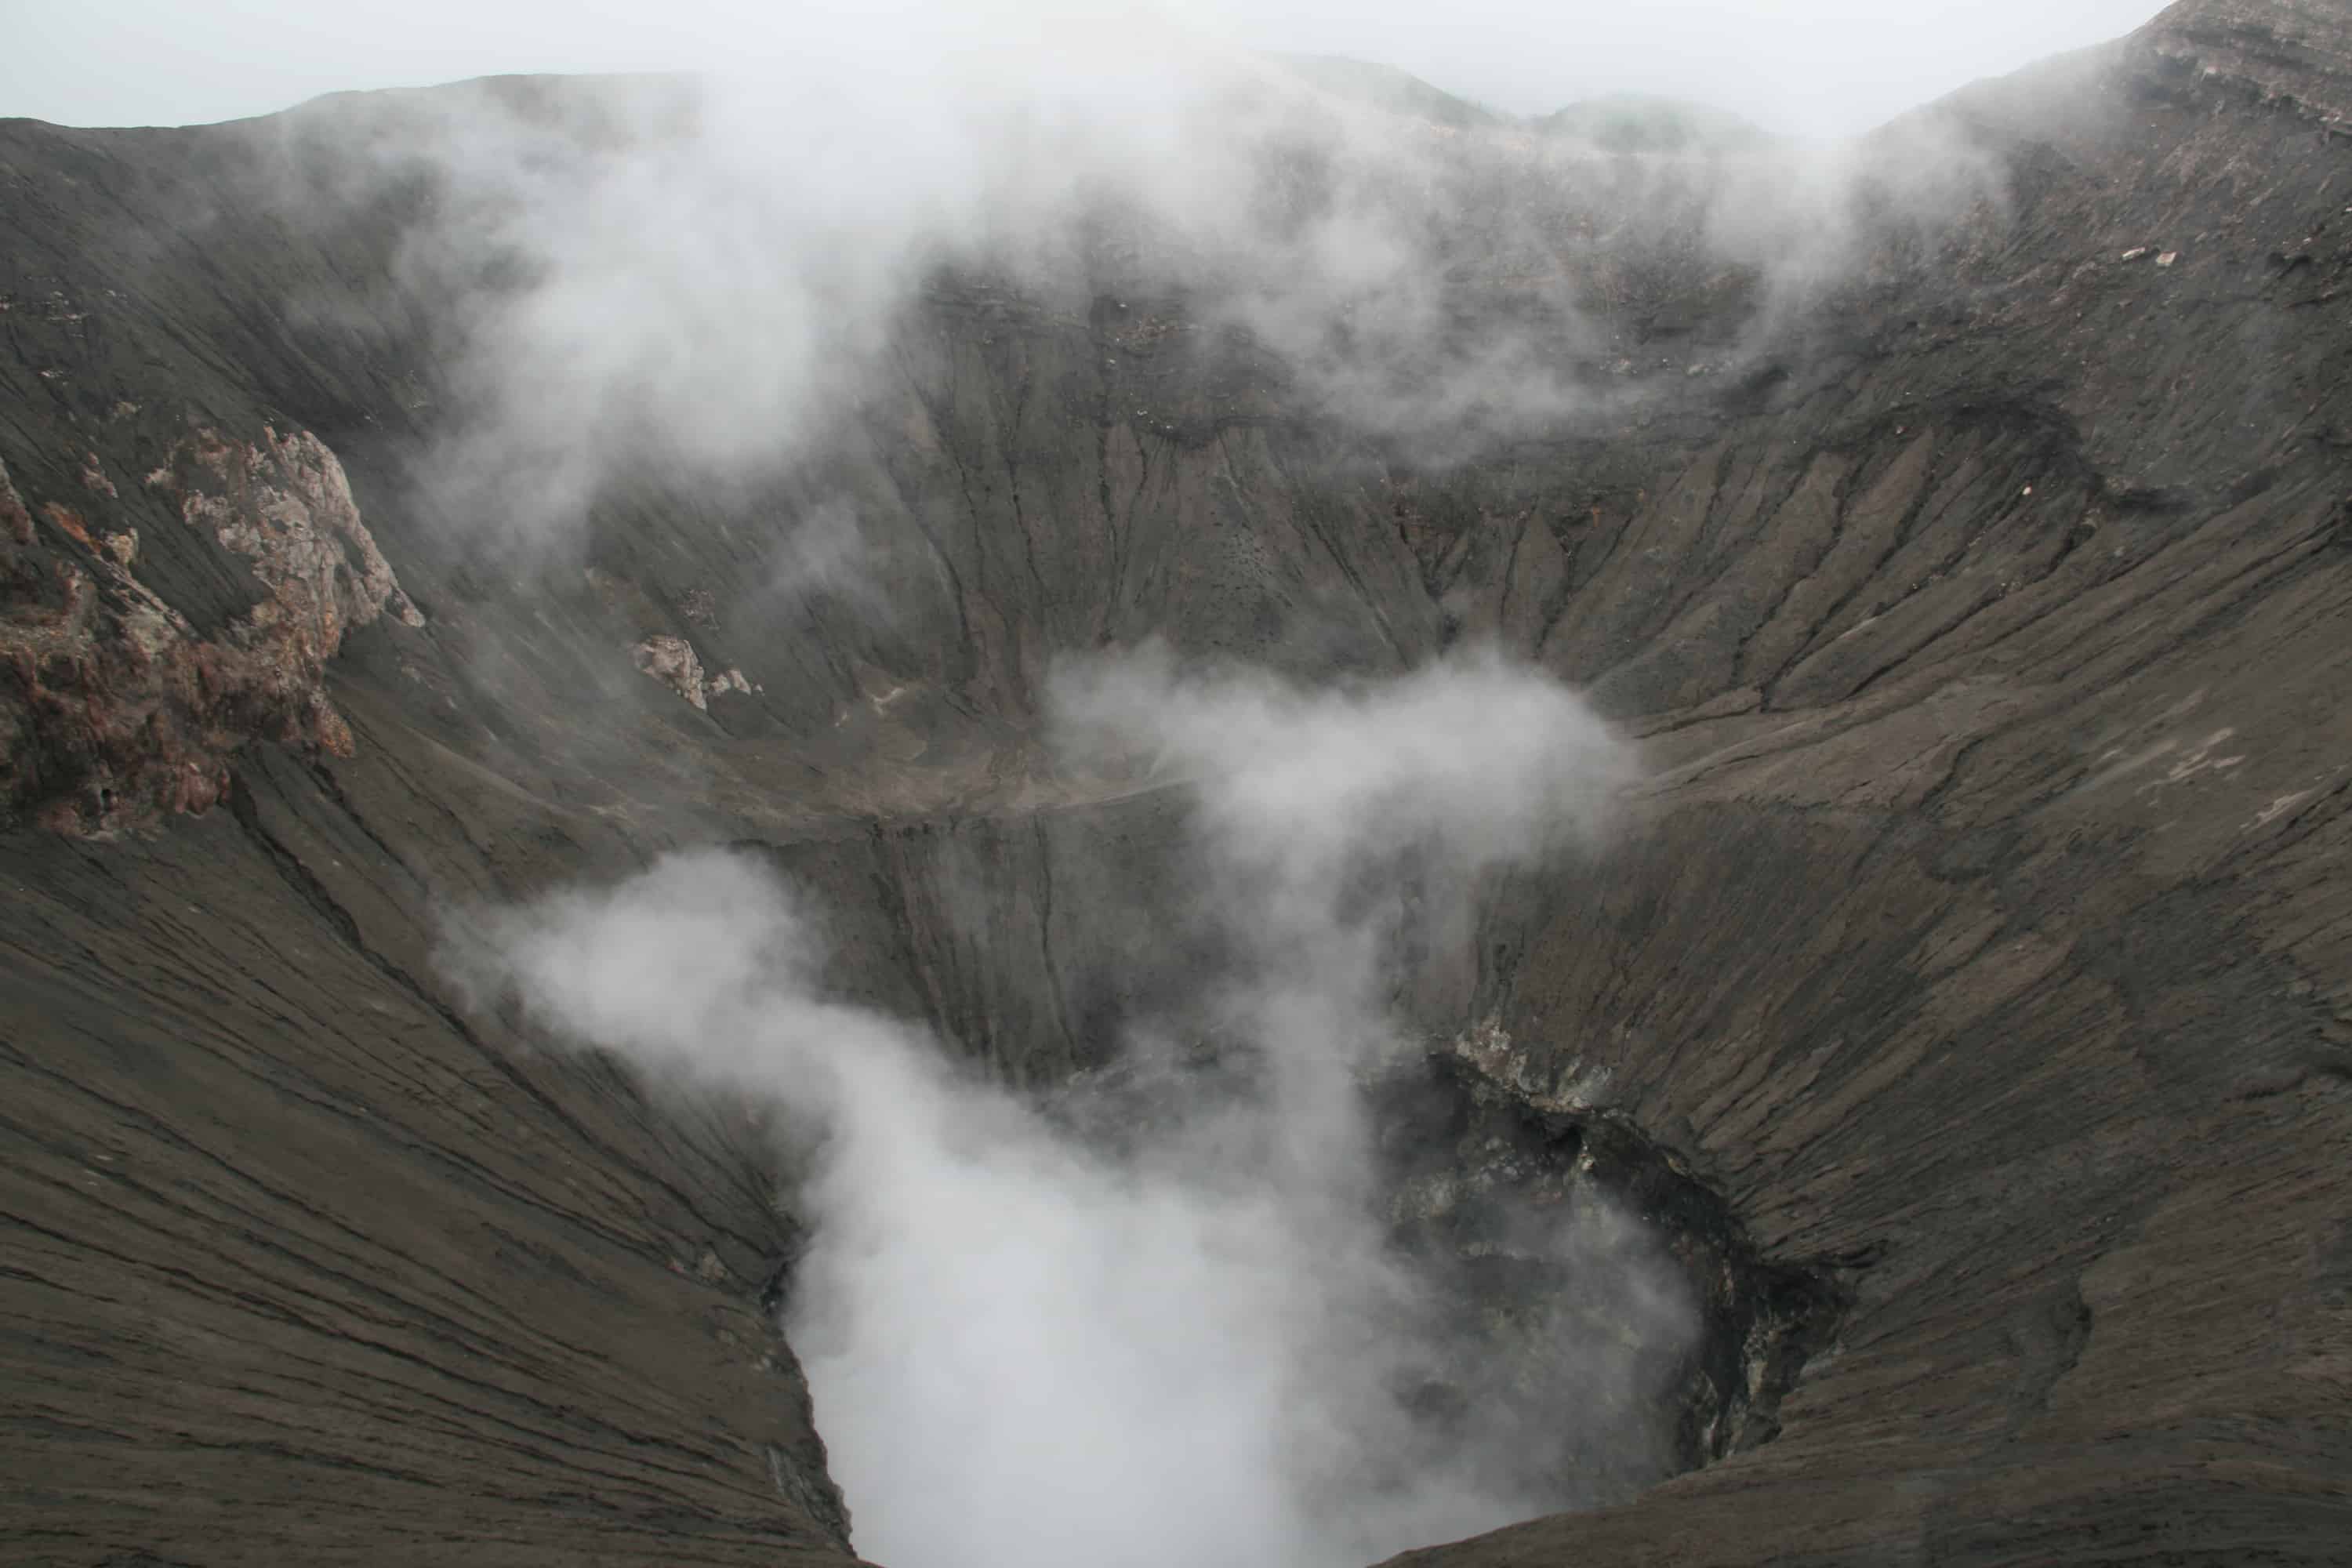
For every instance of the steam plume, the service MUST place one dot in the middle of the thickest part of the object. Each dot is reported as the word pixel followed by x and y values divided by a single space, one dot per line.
pixel 1027 1348
pixel 715 273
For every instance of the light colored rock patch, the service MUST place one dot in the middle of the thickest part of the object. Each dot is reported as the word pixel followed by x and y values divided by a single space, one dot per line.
pixel 673 661
pixel 129 712
pixel 287 505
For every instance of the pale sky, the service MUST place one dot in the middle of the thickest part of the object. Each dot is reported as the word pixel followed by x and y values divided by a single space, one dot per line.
pixel 1806 67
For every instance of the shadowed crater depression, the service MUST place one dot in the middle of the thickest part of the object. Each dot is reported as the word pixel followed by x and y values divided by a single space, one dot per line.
pixel 1264 819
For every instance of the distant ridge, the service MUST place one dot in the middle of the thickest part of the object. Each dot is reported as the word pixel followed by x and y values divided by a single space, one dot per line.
pixel 1387 88
pixel 1635 123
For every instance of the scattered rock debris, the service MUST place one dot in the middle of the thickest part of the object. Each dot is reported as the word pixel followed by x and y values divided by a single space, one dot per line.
pixel 673 661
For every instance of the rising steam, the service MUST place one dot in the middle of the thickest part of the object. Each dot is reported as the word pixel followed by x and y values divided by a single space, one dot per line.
pixel 1028 1345
pixel 1058 1332
pixel 711 275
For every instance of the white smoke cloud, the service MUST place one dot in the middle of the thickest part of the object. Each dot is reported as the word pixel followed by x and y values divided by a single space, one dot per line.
pixel 1025 1348
pixel 715 274
pixel 1492 760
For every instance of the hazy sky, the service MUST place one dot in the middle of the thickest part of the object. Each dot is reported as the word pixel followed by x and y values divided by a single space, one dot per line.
pixel 1819 67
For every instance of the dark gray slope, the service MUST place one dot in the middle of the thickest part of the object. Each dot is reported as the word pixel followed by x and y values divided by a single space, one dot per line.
pixel 1983 939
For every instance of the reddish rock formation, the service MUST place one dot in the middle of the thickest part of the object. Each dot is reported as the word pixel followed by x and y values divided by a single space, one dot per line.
pixel 123 712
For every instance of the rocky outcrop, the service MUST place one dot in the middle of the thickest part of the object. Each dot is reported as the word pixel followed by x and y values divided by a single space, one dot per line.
pixel 286 506
pixel 2283 54
pixel 673 661
pixel 122 710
